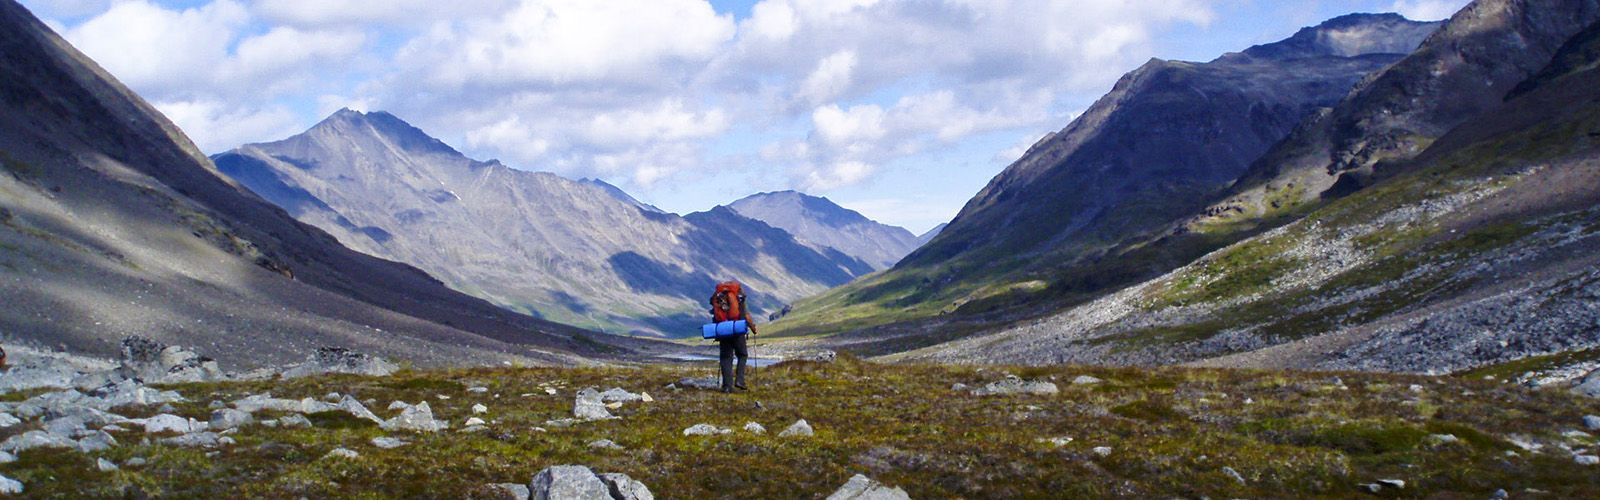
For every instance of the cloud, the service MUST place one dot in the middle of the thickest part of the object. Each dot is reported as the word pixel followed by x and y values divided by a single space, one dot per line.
pixel 325 13
pixel 215 126
pixel 835 175
pixel 159 51
pixel 830 79
pixel 1427 10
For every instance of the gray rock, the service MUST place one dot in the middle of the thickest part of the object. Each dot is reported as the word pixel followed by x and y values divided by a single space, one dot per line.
pixel 352 406
pixel 22 378
pixel 417 418
pixel 623 487
pixel 820 357
pixel 130 392
pixel 341 360
pixel 799 429
pixel 1393 483
pixel 135 462
pixel 704 430
pixel 1086 380
pixel 1233 474
pixel 230 419
pixel 294 421
pixel 754 428
pixel 398 405
pixel 10 486
pixel 194 440
pixel 7 420
pixel 568 482
pixel 604 444
pixel 96 441
pixel 1586 459
pixel 1104 451
pixel 388 443
pixel 36 439
pixel 474 421
pixel 1590 421
pixel 7 457
pixel 478 390
pixel 343 453
pixel 473 428
pixel 616 394
pixel 861 487
pixel 105 465
pixel 960 387
pixel 1013 385
pixel 65 426
pixel 259 402
pixel 590 406
pixel 167 422
pixel 511 491
pixel 479 409
pixel 707 383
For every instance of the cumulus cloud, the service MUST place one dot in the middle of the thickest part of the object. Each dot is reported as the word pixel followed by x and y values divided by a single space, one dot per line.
pixel 216 126
pixel 323 13
pixel 160 51
pixel 1428 10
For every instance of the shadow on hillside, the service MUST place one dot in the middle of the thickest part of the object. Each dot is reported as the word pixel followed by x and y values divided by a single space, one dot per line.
pixel 645 275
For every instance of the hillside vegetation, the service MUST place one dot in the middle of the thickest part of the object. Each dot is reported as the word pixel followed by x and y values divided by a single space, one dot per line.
pixel 1166 432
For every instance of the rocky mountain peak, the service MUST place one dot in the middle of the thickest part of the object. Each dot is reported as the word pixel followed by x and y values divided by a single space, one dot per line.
pixel 1352 35
pixel 350 124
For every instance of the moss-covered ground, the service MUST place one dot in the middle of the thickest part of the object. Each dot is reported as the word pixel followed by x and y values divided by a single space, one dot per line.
pixel 1171 433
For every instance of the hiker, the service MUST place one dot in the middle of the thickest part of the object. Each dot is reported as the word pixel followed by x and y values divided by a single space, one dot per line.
pixel 2 358
pixel 728 304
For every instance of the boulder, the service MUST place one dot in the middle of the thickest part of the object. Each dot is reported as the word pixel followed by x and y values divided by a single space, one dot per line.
pixel 341 360
pixel 754 428
pixel 1586 459
pixel 604 444
pixel 105 465
pixel 861 487
pixel 1104 451
pixel 152 362
pixel 616 394
pixel 388 443
pixel 36 439
pixel 22 378
pixel 294 421
pixel 707 383
pixel 167 422
pixel 398 405
pixel 131 392
pixel 798 429
pixel 474 421
pixel 568 482
pixel 7 420
pixel 10 486
pixel 195 440
pixel 1014 385
pixel 96 441
pixel 1589 385
pixel 589 405
pixel 265 402
pixel 1590 421
pixel 479 409
pixel 622 487
pixel 343 453
pixel 704 430
pixel 352 406
pixel 1086 380
pixel 226 418
pixel 417 418
pixel 820 357
pixel 6 457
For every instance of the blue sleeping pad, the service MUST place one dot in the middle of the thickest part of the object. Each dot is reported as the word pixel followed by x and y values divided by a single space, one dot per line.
pixel 724 329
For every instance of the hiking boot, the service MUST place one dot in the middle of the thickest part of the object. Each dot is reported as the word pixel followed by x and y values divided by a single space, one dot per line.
pixel 726 389
pixel 740 386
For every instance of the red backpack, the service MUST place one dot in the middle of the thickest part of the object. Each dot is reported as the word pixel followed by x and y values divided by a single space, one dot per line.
pixel 727 302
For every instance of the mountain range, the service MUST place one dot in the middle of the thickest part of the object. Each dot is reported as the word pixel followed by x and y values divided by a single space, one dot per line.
pixel 578 252
pixel 1439 216
pixel 112 223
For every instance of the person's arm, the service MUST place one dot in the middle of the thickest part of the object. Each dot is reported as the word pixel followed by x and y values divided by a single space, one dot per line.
pixel 749 323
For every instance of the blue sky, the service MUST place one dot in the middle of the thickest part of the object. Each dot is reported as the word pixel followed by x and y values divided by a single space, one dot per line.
pixel 899 109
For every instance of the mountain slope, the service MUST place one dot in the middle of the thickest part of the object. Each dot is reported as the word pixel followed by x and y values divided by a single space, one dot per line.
pixel 1485 251
pixel 577 252
pixel 1166 139
pixel 112 223
pixel 827 225
pixel 924 238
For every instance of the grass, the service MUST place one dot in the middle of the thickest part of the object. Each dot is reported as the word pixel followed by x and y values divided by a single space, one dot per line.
pixel 1289 434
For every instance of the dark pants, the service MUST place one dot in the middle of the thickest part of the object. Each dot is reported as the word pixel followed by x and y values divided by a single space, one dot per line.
pixel 729 347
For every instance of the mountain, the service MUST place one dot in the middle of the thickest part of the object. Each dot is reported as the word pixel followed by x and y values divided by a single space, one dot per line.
pixel 1469 67
pixel 1483 250
pixel 924 238
pixel 1160 146
pixel 577 252
pixel 824 224
pixel 112 223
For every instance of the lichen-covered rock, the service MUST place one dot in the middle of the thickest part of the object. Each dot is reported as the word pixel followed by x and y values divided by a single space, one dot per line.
pixel 800 428
pixel 228 418
pixel 704 430
pixel 1014 385
pixel 589 405
pixel 754 428
pixel 167 422
pixel 10 486
pixel 96 441
pixel 510 491
pixel 7 420
pixel 568 482
pixel 417 418
pixel 861 487
pixel 352 406
pixel 623 487
pixel 36 439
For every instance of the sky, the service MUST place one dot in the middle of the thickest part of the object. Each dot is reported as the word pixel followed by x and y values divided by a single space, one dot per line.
pixel 899 109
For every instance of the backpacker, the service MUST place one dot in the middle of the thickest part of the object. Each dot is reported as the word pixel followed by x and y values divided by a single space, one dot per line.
pixel 727 302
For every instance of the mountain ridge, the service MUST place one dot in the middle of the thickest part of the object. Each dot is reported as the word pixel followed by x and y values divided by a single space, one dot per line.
pixel 824 223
